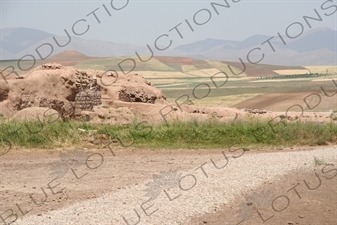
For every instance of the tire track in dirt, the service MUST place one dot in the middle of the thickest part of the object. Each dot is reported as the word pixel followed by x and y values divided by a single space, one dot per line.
pixel 197 193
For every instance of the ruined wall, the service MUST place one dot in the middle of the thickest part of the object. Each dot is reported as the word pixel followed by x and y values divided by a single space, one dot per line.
pixel 88 93
pixel 65 108
pixel 131 94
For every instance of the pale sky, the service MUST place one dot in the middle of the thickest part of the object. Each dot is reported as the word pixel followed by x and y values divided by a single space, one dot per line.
pixel 141 22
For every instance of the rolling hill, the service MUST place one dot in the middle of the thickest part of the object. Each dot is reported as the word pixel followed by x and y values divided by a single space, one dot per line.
pixel 315 47
pixel 184 65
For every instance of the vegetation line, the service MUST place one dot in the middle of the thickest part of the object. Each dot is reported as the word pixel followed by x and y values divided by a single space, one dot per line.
pixel 208 134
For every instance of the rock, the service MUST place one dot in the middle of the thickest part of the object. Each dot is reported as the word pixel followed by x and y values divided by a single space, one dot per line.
pixel 81 130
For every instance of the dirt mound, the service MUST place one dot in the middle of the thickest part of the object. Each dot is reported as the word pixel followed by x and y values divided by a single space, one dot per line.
pixel 3 93
pixel 51 85
pixel 4 75
pixel 54 86
pixel 130 88
pixel 71 92
pixel 41 114
pixel 97 96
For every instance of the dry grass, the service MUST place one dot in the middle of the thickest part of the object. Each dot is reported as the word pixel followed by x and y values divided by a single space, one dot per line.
pixel 291 72
pixel 322 69
pixel 188 68
pixel 162 74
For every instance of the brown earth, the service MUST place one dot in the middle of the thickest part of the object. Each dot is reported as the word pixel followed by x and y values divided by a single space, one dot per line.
pixel 281 102
pixel 313 207
pixel 97 96
pixel 25 172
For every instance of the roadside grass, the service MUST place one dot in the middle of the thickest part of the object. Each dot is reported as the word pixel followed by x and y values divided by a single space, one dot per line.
pixel 203 135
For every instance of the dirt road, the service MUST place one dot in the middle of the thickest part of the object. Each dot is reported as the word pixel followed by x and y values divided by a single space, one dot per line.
pixel 132 186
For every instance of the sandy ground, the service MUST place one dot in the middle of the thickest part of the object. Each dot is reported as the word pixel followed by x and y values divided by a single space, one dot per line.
pixel 101 186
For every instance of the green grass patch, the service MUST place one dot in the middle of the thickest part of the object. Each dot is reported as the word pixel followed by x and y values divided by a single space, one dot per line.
pixel 209 134
pixel 212 134
pixel 40 135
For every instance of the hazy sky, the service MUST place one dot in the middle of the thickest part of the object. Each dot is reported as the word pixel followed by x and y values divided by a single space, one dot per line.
pixel 141 22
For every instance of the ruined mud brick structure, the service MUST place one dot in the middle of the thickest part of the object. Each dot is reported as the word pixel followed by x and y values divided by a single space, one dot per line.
pixel 88 93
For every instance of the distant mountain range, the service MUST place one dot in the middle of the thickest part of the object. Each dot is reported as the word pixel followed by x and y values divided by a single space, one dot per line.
pixel 314 47
pixel 17 42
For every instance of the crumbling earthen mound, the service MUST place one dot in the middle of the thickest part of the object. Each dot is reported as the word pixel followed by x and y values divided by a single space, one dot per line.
pixel 97 96
pixel 132 94
pixel 4 93
pixel 64 89
pixel 71 92
pixel 131 88
pixel 40 114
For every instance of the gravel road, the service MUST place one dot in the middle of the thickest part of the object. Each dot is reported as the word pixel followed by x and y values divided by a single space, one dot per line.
pixel 206 183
